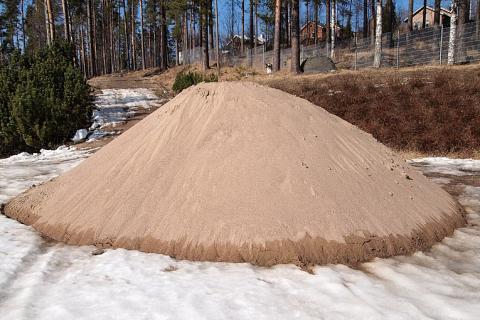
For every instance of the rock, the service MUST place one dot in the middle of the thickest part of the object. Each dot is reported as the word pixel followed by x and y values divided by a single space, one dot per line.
pixel 98 252
pixel 318 64
pixel 80 135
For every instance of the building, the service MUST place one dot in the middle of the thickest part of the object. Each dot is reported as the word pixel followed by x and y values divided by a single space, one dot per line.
pixel 307 33
pixel 235 43
pixel 445 15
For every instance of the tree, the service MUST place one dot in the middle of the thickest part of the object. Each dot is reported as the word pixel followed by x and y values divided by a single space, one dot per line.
pixel 436 15
pixel 333 24
pixel 204 30
pixel 410 15
pixel 91 39
pixel 242 41
pixel 316 3
pixel 50 21
pixel 327 22
pixel 295 63
pixel 250 48
pixel 424 14
pixel 66 20
pixel 378 36
pixel 365 18
pixel 276 39
pixel 142 35
pixel 453 34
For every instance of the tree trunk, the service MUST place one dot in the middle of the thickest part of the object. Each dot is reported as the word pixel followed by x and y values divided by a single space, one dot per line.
pixel 250 48
pixel 127 40
pixel 477 19
pixel 50 21
pixel 315 32
pixel 23 25
pixel 210 23
pixel 163 37
pixel 276 38
pixel 83 55
pixel 410 15
pixel 255 16
pixel 378 36
pixel 134 35
pixel 436 15
pixel 217 39
pixel 142 36
pixel 185 53
pixel 424 14
pixel 374 22
pixel 91 39
pixel 328 10
pixel 365 18
pixel 453 34
pixel 66 20
pixel 242 41
pixel 333 29
pixel 204 31
pixel 463 18
pixel 295 63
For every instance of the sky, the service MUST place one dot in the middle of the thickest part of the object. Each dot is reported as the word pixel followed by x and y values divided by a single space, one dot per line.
pixel 225 5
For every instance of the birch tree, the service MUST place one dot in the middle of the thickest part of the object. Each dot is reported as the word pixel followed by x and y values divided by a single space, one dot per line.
pixel 453 34
pixel 378 36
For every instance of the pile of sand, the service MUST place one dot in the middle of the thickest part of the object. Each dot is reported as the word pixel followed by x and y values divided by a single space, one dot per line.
pixel 239 172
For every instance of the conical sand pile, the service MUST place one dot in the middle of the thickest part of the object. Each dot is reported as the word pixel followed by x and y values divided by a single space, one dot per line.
pixel 239 172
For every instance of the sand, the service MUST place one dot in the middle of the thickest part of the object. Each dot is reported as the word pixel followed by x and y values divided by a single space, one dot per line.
pixel 242 173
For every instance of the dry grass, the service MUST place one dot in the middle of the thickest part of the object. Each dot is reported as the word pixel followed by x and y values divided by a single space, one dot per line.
pixel 433 111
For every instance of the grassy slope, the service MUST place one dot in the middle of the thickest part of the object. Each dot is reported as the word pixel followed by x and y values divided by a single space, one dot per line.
pixel 430 110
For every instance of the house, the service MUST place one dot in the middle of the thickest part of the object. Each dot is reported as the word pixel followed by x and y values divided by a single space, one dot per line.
pixel 307 33
pixel 235 43
pixel 445 15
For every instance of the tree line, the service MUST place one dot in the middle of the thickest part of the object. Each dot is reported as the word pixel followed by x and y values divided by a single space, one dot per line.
pixel 110 36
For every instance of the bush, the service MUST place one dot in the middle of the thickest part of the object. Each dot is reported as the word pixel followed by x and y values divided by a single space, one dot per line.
pixel 185 80
pixel 44 99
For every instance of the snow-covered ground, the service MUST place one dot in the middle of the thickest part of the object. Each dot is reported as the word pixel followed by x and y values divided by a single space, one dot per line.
pixel 45 280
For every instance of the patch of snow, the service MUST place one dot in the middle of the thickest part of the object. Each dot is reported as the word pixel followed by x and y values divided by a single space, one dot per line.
pixel 442 165
pixel 44 280
pixel 21 171
pixel 115 106
pixel 80 135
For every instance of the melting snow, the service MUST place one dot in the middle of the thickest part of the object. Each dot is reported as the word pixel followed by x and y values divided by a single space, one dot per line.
pixel 45 280
pixel 115 106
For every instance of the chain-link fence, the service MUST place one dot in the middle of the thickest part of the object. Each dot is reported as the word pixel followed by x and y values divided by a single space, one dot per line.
pixel 420 47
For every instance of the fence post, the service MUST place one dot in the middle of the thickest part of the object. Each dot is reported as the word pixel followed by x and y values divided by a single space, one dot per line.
pixel 263 55
pixel 398 48
pixel 441 43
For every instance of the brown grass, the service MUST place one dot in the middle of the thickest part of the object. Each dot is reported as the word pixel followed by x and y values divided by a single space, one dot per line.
pixel 426 110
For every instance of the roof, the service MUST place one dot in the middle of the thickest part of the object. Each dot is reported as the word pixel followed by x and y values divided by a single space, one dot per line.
pixel 443 11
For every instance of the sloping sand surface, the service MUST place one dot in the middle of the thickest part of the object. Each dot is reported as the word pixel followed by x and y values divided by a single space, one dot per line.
pixel 243 173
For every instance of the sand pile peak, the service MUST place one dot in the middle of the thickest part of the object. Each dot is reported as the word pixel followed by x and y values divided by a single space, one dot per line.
pixel 240 172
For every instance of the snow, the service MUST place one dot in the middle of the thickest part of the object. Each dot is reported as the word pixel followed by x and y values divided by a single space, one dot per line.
pixel 455 167
pixel 80 135
pixel 47 280
pixel 115 106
